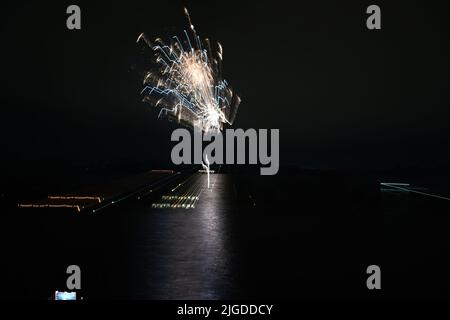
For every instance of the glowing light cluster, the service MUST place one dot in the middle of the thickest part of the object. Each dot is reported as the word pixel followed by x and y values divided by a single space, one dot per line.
pixel 185 195
pixel 187 84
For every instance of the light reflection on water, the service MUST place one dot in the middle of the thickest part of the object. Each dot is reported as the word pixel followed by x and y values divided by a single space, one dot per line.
pixel 184 253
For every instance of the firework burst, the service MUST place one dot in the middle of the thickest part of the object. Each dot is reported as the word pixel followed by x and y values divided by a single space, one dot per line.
pixel 187 83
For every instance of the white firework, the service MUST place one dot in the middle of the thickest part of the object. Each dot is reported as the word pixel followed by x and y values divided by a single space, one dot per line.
pixel 187 84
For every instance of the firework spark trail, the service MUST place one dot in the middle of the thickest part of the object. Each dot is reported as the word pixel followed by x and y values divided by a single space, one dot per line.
pixel 206 167
pixel 187 84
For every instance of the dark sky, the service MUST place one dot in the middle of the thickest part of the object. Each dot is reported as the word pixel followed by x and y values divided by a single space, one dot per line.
pixel 341 95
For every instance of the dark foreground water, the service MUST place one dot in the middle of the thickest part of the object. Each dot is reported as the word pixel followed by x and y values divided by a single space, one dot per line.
pixel 292 236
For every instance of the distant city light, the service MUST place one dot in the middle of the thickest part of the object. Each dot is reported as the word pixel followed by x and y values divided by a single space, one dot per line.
pixel 54 202
pixel 46 205
pixel 99 199
pixel 184 195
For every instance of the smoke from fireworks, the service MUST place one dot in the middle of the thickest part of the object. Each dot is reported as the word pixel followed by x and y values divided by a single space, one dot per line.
pixel 187 83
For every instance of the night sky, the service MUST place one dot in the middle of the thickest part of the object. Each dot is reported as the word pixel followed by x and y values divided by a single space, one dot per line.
pixel 341 95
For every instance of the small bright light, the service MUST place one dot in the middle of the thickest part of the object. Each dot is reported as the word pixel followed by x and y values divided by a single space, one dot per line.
pixel 63 295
